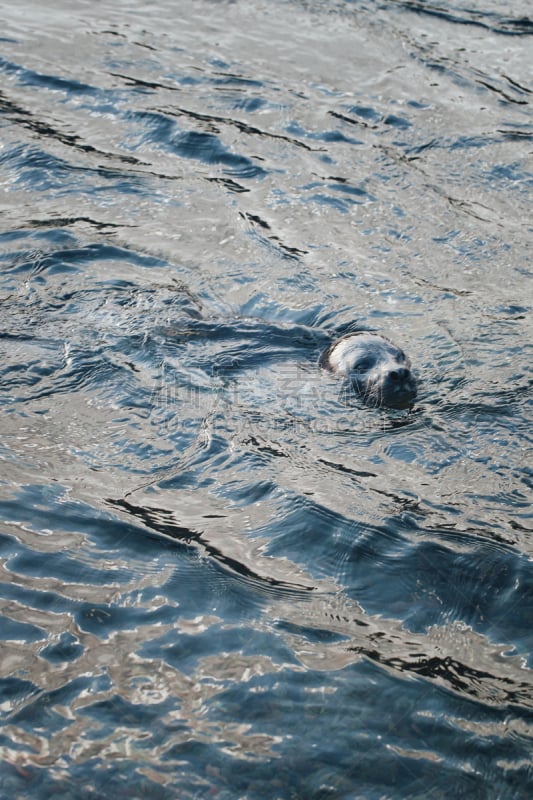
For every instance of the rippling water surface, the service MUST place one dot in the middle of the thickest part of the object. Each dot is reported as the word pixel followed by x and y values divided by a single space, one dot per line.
pixel 219 576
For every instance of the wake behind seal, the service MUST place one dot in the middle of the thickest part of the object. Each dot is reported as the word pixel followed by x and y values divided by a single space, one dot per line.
pixel 378 370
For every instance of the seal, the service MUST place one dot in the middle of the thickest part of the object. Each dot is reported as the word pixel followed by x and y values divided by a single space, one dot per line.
pixel 378 370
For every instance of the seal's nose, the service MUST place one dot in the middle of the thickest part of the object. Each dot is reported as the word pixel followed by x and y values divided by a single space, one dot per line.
pixel 400 374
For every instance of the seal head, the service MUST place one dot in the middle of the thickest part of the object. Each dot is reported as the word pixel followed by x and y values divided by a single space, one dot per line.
pixel 378 370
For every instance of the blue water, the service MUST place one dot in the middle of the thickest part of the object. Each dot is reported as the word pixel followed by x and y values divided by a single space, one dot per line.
pixel 221 577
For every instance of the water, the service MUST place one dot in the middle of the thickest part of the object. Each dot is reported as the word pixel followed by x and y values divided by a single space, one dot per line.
pixel 219 577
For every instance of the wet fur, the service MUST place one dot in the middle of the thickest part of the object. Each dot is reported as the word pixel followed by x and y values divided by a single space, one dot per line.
pixel 377 369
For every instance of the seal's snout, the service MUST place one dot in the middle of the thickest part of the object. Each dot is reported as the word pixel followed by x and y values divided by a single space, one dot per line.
pixel 400 374
pixel 399 387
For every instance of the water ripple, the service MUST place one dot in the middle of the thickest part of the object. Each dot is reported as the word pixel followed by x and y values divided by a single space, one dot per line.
pixel 214 561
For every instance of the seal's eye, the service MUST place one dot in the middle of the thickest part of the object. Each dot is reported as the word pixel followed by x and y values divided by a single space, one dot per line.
pixel 362 366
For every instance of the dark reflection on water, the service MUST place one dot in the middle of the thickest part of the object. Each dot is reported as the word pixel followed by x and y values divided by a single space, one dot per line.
pixel 222 575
